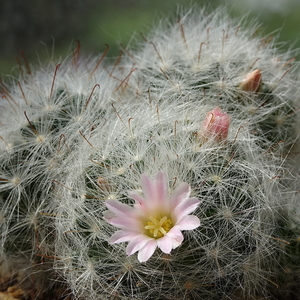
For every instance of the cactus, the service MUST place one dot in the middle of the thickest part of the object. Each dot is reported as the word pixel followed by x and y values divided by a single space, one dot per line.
pixel 183 150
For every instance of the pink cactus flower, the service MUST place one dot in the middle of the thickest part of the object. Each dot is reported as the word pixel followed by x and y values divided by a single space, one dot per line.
pixel 215 125
pixel 155 220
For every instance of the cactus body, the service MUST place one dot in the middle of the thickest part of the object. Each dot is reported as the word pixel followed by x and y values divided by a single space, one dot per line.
pixel 202 100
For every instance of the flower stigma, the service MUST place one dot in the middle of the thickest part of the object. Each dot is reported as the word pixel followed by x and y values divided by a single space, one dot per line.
pixel 158 227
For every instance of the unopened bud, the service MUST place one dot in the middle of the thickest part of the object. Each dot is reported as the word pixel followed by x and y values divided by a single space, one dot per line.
pixel 215 125
pixel 252 82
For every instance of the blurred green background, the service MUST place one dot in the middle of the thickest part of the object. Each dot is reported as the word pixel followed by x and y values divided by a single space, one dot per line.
pixel 46 29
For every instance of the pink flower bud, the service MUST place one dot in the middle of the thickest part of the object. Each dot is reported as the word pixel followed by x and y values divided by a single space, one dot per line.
pixel 252 82
pixel 215 125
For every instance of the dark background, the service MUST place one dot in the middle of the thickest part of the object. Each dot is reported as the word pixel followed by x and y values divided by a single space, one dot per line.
pixel 45 29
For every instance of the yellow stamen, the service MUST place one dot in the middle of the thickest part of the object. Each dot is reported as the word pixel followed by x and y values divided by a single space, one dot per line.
pixel 158 227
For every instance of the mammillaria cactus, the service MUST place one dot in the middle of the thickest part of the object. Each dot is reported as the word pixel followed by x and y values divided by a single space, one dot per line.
pixel 182 151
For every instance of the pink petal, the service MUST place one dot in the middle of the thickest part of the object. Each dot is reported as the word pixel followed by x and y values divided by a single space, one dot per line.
pixel 137 243
pixel 140 202
pixel 165 244
pixel 148 188
pixel 180 194
pixel 176 236
pixel 146 252
pixel 185 208
pixel 126 223
pixel 161 186
pixel 119 208
pixel 122 236
pixel 189 223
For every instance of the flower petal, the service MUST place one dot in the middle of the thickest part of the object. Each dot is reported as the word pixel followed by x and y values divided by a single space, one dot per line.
pixel 148 188
pixel 189 222
pixel 119 208
pixel 165 244
pixel 122 236
pixel 185 208
pixel 140 202
pixel 126 223
pixel 176 235
pixel 146 252
pixel 137 243
pixel 161 186
pixel 180 194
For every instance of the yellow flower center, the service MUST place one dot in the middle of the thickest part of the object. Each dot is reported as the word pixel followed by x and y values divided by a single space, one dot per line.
pixel 158 227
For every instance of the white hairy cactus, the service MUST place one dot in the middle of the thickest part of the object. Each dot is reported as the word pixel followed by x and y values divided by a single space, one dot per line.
pixel 181 151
